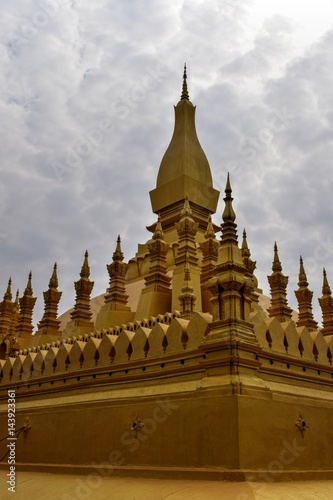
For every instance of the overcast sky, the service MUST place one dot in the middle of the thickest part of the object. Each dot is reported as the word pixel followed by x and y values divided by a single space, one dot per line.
pixel 87 95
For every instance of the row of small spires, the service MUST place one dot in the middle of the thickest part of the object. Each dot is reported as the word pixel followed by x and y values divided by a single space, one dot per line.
pixel 16 317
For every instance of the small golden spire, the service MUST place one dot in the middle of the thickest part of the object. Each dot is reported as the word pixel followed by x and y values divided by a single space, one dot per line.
pixel 28 290
pixel 302 279
pixel 210 233
pixel 304 299
pixel 278 284
pixel 54 278
pixel 229 227
pixel 276 266
pixel 184 89
pixel 245 246
pixel 8 294
pixel 27 303
pixel 228 213
pixel 85 271
pixel 326 288
pixel 326 304
pixel 246 254
pixel 118 255
pixel 83 287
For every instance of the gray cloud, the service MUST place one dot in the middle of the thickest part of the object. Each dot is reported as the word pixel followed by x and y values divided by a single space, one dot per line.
pixel 112 73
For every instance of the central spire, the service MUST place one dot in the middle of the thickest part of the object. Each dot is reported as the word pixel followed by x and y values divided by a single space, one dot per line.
pixel 184 90
pixel 184 169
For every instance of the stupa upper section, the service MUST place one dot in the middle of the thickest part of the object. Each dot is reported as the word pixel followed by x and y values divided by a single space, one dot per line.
pixel 184 170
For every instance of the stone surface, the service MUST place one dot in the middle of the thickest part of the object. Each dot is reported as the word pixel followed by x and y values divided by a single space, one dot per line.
pixel 37 486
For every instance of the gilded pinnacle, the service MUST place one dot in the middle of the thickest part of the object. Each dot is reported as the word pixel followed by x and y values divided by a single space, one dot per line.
pixel 85 270
pixel 244 243
pixel 210 233
pixel 302 279
pixel 54 278
pixel 8 294
pixel 228 189
pixel 304 299
pixel 276 266
pixel 326 288
pixel 229 227
pixel 184 90
pixel 28 290
pixel 228 213
pixel 118 255
pixel 17 301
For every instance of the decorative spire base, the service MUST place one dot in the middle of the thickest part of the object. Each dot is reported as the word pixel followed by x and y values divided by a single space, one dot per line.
pixel 116 297
pixel 232 286
pixel 304 299
pixel 186 257
pixel 6 308
pixel 209 249
pixel 81 315
pixel 49 324
pixel 25 327
pixel 326 304
pixel 156 296
pixel 278 283
pixel 187 298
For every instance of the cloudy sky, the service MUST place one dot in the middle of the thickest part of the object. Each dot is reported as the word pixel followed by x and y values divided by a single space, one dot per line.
pixel 87 95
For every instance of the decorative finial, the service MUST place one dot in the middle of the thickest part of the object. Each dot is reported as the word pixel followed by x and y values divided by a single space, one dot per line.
pixel 244 242
pixel 276 266
pixel 304 299
pixel 326 288
pixel 85 271
pixel 186 210
pixel 28 290
pixel 302 279
pixel 210 233
pixel 228 189
pixel 118 255
pixel 228 213
pixel 246 254
pixel 184 90
pixel 54 278
pixel 8 294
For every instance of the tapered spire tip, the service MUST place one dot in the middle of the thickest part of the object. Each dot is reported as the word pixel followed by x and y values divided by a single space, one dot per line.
pixel 184 94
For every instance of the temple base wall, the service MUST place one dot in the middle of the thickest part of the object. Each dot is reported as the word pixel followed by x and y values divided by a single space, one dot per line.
pixel 201 428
